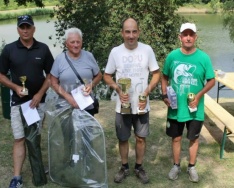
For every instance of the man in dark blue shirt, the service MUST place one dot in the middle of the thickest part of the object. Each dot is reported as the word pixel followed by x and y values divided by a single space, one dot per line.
pixel 32 59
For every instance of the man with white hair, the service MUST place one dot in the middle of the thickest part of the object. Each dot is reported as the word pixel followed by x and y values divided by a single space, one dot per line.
pixel 189 71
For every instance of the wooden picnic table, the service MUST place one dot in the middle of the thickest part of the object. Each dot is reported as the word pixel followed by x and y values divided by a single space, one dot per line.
pixel 225 80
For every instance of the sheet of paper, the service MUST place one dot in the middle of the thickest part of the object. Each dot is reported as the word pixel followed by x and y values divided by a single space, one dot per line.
pixel 82 100
pixel 31 115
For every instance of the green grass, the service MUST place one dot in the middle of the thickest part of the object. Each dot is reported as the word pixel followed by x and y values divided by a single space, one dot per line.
pixel 32 12
pixel 213 172
pixel 12 10
pixel 13 5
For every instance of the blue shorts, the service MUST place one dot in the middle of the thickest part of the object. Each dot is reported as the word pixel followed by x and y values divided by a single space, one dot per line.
pixel 125 122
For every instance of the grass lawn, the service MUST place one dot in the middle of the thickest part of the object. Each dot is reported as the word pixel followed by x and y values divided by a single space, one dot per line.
pixel 213 172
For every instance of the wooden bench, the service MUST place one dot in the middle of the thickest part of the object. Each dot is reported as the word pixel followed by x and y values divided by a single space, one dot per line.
pixel 224 116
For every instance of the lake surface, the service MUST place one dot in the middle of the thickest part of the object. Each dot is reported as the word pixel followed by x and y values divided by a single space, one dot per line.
pixel 213 39
pixel 44 29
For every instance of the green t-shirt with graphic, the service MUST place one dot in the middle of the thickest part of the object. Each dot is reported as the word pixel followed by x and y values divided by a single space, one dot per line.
pixel 187 74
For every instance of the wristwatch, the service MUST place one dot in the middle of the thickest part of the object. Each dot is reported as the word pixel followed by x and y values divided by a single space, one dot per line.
pixel 164 96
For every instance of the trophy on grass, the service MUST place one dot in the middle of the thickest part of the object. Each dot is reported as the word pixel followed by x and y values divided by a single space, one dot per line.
pixel 24 90
pixel 191 97
pixel 142 98
pixel 125 84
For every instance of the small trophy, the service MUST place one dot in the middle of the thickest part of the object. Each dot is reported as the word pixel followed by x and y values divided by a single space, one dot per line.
pixel 125 84
pixel 191 97
pixel 24 90
pixel 142 98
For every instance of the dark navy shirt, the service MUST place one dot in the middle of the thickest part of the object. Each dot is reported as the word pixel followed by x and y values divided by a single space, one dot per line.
pixel 34 63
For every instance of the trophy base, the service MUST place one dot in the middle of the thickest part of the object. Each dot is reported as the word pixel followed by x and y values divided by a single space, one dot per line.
pixel 192 109
pixel 141 112
pixel 126 110
pixel 24 92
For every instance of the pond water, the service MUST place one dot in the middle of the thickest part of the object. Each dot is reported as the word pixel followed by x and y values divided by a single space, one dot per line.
pixel 44 29
pixel 213 39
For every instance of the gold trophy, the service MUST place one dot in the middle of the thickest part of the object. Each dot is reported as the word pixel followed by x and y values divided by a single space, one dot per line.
pixel 24 90
pixel 191 97
pixel 142 98
pixel 125 84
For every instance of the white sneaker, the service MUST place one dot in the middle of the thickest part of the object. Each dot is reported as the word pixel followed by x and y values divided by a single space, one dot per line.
pixel 174 172
pixel 193 176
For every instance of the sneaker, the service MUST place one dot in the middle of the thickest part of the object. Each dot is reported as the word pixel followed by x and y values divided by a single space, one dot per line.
pixel 174 172
pixel 123 173
pixel 141 174
pixel 16 183
pixel 193 176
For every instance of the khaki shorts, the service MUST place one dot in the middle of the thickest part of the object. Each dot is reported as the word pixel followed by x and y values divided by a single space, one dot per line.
pixel 16 122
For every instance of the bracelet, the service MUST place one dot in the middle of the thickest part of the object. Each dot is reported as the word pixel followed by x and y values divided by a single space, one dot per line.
pixel 164 96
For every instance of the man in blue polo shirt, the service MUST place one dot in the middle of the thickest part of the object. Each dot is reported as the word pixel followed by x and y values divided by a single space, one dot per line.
pixel 33 60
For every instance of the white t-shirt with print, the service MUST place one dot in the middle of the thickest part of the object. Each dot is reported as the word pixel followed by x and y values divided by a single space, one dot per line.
pixel 134 64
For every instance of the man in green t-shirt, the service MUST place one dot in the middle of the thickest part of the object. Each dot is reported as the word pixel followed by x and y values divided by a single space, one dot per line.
pixel 189 72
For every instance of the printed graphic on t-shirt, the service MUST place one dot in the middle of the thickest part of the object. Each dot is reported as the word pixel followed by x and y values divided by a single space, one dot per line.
pixel 183 76
pixel 132 66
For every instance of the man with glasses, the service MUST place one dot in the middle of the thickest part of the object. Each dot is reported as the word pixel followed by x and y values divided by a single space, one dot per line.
pixel 32 60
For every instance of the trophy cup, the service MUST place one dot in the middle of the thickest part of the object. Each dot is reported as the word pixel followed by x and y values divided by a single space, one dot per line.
pixel 24 90
pixel 142 98
pixel 125 84
pixel 191 97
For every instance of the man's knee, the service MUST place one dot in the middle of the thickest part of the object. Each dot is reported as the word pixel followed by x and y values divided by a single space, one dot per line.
pixel 140 140
pixel 177 139
pixel 19 140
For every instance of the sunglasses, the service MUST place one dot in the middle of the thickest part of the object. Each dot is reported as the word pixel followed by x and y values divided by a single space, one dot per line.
pixel 25 17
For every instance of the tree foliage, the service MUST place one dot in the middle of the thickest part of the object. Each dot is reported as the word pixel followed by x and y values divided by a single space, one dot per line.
pixel 100 21
pixel 88 15
pixel 228 17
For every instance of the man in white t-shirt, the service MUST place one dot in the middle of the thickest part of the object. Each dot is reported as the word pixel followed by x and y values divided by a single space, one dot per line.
pixel 133 60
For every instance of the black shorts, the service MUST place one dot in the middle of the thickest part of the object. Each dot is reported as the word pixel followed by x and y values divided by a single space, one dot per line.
pixel 175 128
pixel 125 122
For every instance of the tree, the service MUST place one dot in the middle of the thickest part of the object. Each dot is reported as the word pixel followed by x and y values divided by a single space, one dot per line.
pixel 100 21
pixel 228 17
pixel 88 15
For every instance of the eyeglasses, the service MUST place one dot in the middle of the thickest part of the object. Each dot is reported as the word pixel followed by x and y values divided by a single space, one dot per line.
pixel 25 17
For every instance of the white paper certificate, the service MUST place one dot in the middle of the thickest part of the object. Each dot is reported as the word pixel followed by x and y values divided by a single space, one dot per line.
pixel 31 115
pixel 82 100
